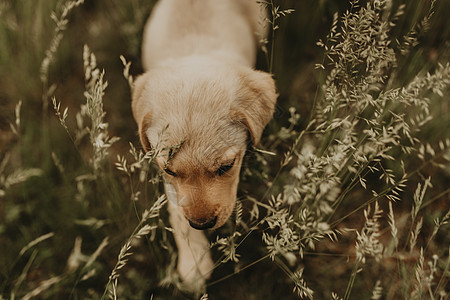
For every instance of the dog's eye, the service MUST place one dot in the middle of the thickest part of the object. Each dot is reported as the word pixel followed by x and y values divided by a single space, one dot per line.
pixel 225 168
pixel 170 172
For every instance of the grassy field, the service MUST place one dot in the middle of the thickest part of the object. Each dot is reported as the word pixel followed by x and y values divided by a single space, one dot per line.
pixel 347 198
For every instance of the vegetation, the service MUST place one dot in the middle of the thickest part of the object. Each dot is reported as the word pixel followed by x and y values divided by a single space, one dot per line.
pixel 348 197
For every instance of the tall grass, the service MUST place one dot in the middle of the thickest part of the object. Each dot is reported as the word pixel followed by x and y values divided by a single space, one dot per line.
pixel 354 205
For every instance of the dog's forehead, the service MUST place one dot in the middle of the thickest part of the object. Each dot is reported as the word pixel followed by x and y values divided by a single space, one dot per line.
pixel 203 151
pixel 198 133
pixel 198 141
pixel 211 155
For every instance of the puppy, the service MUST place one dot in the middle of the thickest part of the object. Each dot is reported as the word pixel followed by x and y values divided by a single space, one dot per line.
pixel 200 104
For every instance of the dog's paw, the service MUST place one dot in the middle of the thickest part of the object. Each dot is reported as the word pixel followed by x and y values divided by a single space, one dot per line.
pixel 195 268
pixel 194 258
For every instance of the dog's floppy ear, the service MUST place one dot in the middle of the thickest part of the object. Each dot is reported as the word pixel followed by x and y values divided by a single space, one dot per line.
pixel 141 110
pixel 255 102
pixel 143 126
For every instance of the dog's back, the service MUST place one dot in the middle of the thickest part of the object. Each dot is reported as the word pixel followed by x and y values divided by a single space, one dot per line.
pixel 227 30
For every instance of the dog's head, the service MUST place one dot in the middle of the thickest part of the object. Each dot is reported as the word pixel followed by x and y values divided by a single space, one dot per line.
pixel 201 117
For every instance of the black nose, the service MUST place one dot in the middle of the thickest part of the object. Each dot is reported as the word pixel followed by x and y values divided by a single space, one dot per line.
pixel 205 225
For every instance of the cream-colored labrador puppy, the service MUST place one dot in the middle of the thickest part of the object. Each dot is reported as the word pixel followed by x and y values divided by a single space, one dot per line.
pixel 200 103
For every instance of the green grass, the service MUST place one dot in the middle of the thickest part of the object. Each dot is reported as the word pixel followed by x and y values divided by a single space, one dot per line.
pixel 64 219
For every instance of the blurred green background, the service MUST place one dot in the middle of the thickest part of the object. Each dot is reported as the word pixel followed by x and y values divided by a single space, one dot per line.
pixel 48 203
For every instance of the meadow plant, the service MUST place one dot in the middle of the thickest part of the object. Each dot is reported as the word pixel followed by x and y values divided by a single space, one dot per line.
pixel 275 13
pixel 19 175
pixel 368 241
pixel 377 292
pixel 98 130
pixel 360 124
pixel 61 20
pixel 358 155
pixel 142 229
pixel 16 177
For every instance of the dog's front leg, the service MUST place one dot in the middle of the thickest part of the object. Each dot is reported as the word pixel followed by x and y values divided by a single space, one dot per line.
pixel 194 257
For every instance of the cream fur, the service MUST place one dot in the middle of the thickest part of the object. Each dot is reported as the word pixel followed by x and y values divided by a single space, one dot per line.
pixel 200 93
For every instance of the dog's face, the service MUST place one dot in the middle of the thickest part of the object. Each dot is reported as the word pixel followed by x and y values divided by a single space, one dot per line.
pixel 206 185
pixel 200 118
